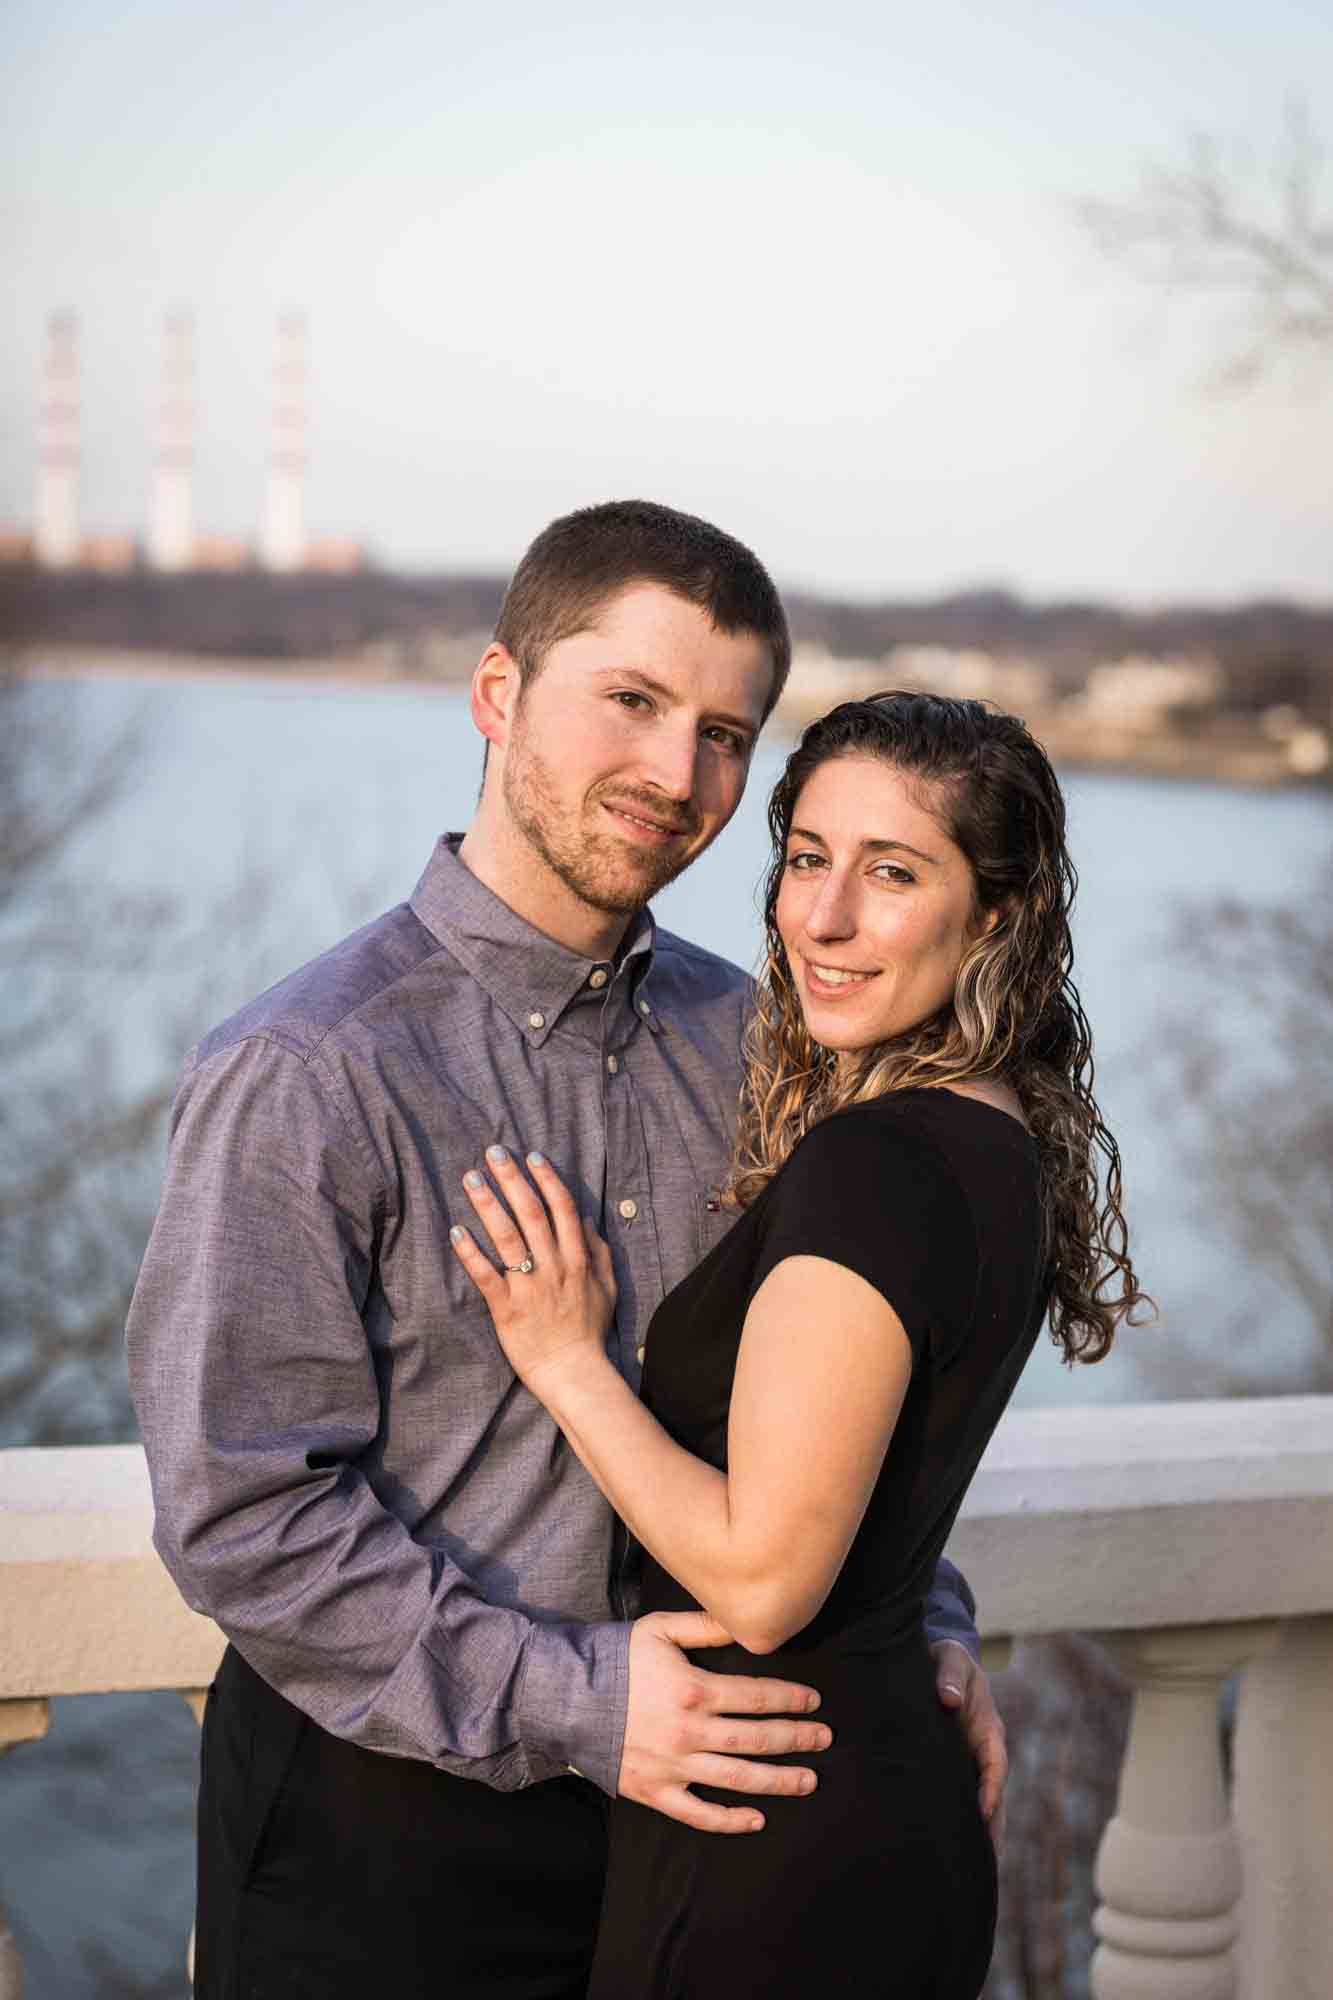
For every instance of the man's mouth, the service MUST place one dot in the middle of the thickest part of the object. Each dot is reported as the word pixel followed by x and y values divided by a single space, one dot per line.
pixel 644 824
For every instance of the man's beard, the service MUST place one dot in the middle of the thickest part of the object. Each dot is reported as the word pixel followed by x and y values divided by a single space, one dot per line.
pixel 603 872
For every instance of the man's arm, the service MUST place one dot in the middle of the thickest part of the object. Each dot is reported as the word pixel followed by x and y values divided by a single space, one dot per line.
pixel 256 1391
pixel 961 1684
pixel 951 1610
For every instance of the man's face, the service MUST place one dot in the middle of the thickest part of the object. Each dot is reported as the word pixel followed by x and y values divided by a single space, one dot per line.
pixel 628 752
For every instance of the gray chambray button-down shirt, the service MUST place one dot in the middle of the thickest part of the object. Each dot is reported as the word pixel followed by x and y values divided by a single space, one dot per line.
pixel 347 1475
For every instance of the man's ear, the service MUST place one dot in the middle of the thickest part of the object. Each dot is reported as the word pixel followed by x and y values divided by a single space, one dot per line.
pixel 495 690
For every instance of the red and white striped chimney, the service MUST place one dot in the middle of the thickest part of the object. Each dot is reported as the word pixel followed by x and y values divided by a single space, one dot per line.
pixel 282 542
pixel 55 514
pixel 171 511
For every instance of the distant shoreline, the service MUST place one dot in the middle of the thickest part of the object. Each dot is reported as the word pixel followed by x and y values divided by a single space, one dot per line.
pixel 72 663
pixel 1251 760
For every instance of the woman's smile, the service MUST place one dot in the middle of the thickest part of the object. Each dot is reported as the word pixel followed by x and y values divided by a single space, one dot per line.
pixel 832 981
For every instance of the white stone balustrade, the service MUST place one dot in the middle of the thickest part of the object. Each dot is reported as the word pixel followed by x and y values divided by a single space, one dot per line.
pixel 1194 1538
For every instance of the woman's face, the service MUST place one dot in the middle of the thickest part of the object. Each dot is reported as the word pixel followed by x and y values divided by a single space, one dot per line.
pixel 876 904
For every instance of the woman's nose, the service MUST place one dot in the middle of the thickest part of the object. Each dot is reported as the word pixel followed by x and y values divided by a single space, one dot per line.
pixel 832 913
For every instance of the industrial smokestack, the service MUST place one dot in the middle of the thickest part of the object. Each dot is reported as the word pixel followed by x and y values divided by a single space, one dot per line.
pixel 282 542
pixel 171 514
pixel 55 514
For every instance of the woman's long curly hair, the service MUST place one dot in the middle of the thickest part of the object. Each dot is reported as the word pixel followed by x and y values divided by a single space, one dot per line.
pixel 1015 1011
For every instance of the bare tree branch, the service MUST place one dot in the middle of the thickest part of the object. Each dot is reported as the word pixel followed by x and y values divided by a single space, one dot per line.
pixel 1211 228
pixel 1249 1115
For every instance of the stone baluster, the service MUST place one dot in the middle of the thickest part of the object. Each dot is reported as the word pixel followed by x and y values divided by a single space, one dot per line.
pixel 1168 1869
pixel 20 1722
pixel 1283 1796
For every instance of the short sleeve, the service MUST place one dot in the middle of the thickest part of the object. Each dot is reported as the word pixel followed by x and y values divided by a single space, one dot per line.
pixel 867 1190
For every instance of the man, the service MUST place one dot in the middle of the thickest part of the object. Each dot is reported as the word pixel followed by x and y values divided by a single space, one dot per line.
pixel 433 1681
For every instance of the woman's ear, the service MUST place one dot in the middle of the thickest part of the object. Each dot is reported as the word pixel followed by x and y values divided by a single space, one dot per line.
pixel 991 920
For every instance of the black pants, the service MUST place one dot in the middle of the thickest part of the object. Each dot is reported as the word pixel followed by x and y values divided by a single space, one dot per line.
pixel 331 1871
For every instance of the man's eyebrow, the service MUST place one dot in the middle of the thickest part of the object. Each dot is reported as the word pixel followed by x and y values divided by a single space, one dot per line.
pixel 869 846
pixel 635 677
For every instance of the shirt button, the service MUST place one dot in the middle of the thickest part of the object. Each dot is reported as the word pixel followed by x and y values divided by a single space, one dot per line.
pixel 613 1064
pixel 629 1209
pixel 644 1009
pixel 598 977
pixel 639 1353
pixel 536 1020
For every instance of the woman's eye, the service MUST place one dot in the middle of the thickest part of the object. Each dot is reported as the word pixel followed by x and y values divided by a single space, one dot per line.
pixel 889 871
pixel 797 862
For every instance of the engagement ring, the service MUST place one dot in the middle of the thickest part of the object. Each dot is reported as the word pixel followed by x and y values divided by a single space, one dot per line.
pixel 526 1265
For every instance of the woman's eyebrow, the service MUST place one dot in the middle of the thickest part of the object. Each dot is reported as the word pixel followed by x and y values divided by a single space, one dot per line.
pixel 872 846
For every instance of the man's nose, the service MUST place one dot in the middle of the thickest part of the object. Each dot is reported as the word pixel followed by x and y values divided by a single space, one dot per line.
pixel 672 764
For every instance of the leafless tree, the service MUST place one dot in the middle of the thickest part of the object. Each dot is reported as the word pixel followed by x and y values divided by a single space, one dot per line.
pixel 1244 1085
pixel 1252 240
pixel 80 1139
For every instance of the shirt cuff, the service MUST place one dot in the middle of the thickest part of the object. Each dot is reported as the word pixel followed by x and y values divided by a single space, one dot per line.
pixel 574 1698
pixel 951 1611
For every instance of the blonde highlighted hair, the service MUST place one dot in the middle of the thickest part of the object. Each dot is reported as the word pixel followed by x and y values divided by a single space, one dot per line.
pixel 1015 1011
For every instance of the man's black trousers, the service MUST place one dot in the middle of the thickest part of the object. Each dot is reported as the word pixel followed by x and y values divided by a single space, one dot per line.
pixel 328 1871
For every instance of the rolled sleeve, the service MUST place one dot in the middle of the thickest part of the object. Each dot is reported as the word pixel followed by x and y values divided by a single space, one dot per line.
pixel 951 1610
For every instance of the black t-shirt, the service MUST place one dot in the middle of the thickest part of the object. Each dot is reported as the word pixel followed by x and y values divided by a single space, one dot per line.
pixel 932 1197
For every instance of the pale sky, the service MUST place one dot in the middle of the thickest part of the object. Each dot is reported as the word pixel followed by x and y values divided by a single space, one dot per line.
pixel 805 269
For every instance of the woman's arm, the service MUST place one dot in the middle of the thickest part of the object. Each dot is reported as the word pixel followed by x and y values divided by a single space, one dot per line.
pixel 823 1368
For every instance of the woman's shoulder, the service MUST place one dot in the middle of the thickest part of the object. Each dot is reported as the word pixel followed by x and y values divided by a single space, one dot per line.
pixel 932 1143
pixel 920 1116
pixel 867 1142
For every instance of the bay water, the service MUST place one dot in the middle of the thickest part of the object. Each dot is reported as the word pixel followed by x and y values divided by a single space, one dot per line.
pixel 329 798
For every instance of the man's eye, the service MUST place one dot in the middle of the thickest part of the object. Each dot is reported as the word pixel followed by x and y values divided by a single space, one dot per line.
pixel 630 698
pixel 727 738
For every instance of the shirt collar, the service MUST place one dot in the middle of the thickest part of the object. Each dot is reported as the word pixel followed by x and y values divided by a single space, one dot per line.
pixel 531 977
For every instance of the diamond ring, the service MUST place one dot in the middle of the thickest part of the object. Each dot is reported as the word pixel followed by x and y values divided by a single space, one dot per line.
pixel 525 1266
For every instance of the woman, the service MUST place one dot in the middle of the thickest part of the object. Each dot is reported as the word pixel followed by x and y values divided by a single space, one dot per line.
pixel 917 1187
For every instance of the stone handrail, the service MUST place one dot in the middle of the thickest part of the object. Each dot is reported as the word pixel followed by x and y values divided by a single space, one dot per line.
pixel 1193 1538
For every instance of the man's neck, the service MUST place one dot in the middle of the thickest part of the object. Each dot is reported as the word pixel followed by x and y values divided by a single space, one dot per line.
pixel 499 856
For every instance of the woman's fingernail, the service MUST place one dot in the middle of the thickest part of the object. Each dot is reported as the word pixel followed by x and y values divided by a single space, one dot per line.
pixel 498 1154
pixel 536 1159
pixel 473 1179
pixel 457 1235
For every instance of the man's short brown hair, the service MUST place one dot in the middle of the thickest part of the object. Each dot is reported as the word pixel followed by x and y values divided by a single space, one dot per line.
pixel 586 558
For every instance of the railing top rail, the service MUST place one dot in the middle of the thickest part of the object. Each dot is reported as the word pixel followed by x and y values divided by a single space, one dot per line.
pixel 1092 1518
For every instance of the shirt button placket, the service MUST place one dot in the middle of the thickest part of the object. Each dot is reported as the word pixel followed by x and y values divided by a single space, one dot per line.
pixel 628 1202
